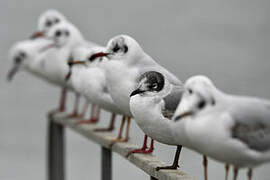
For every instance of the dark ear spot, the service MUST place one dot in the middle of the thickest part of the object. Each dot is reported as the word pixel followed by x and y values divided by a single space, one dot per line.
pixel 116 48
pixel 201 104
pixel 48 23
pixel 213 102
pixel 125 49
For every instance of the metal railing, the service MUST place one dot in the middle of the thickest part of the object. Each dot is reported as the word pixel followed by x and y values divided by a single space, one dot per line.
pixel 56 152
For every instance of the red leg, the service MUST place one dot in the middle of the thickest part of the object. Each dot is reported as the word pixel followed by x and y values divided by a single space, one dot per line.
pixel 92 118
pixel 235 173
pixel 111 126
pixel 74 114
pixel 62 104
pixel 227 167
pixel 249 174
pixel 205 162
pixel 85 106
pixel 141 150
pixel 119 137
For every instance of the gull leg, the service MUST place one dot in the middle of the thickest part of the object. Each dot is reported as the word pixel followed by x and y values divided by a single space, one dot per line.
pixel 111 126
pixel 97 114
pixel 85 106
pixel 175 162
pixel 127 130
pixel 141 150
pixel 249 174
pixel 62 104
pixel 91 120
pixel 205 163
pixel 235 173
pixel 227 167
pixel 74 114
pixel 119 137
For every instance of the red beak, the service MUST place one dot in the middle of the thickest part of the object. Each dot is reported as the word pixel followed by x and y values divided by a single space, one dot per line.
pixel 37 34
pixel 99 54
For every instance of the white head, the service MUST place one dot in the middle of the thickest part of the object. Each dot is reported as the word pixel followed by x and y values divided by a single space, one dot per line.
pixel 24 53
pixel 150 83
pixel 47 20
pixel 198 95
pixel 123 48
pixel 65 35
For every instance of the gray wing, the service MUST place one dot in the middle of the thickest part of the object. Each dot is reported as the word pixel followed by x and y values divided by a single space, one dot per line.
pixel 252 122
pixel 148 64
pixel 171 102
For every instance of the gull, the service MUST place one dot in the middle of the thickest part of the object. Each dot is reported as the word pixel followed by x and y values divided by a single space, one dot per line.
pixel 126 63
pixel 88 77
pixel 231 129
pixel 46 21
pixel 66 37
pixel 153 104
pixel 27 56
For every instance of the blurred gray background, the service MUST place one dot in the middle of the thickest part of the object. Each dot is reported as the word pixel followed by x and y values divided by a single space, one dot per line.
pixel 226 40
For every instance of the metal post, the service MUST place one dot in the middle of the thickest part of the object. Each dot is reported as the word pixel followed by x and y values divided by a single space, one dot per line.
pixel 55 151
pixel 106 164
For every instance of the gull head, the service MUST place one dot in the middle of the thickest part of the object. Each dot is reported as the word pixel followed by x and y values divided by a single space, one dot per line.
pixel 46 21
pixel 150 83
pixel 23 54
pixel 197 96
pixel 123 48
pixel 60 34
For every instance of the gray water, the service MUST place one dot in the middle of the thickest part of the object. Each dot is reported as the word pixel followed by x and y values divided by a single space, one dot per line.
pixel 225 40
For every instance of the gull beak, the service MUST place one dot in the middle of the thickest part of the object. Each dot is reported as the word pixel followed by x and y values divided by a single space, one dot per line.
pixel 99 54
pixel 76 62
pixel 12 72
pixel 185 114
pixel 137 91
pixel 37 34
pixel 70 64
pixel 47 47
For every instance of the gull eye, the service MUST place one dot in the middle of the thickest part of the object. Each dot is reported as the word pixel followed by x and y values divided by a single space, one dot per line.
pixel 56 21
pixel 153 86
pixel 190 91
pixel 67 33
pixel 17 59
pixel 91 58
pixel 201 104
pixel 22 54
pixel 116 48
pixel 58 33
pixel 48 23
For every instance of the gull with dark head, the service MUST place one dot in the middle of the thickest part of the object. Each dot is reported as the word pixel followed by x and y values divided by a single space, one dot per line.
pixel 126 63
pixel 153 104
pixel 229 128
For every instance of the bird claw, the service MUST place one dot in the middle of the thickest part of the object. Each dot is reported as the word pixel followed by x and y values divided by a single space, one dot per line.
pixel 90 121
pixel 117 140
pixel 173 167
pixel 140 151
pixel 104 129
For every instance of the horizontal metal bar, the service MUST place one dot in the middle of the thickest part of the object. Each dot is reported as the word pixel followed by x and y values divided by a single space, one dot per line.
pixel 147 163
